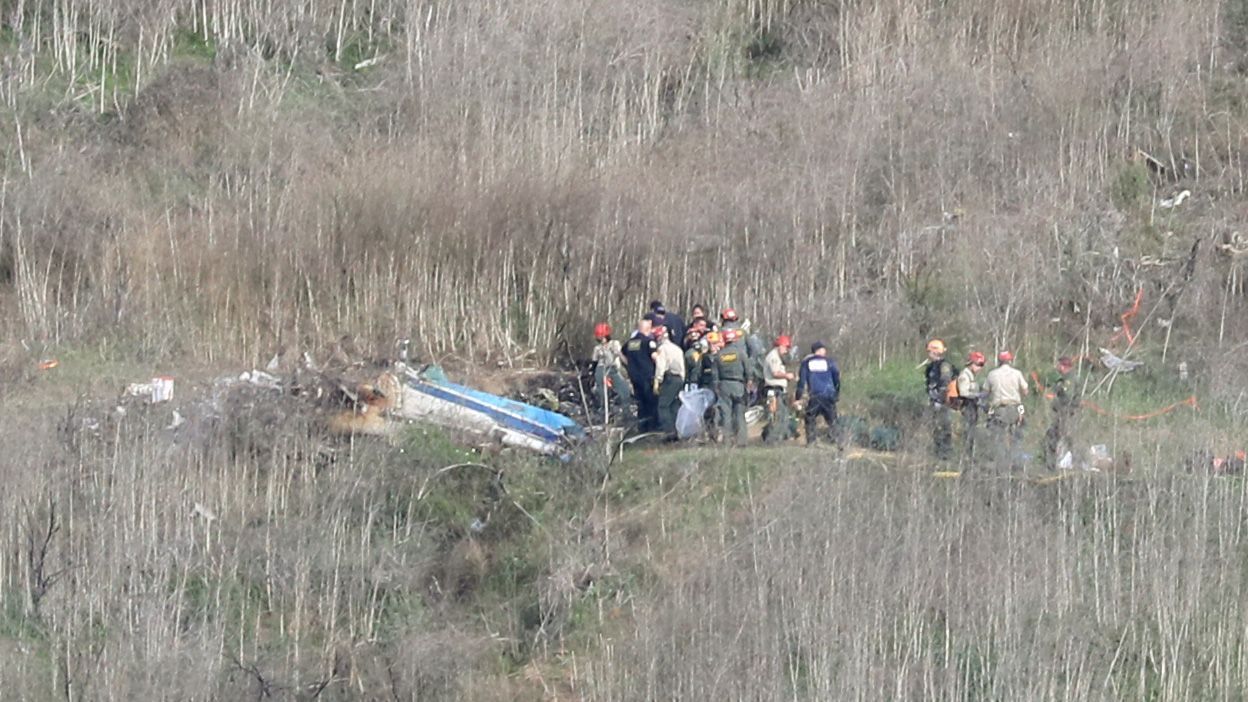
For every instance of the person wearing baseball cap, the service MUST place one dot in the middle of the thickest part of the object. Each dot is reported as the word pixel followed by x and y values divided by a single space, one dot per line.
pixel 820 379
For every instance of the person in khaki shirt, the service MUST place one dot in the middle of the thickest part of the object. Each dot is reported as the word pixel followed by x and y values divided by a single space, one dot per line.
pixel 1006 387
pixel 969 397
pixel 608 360
pixel 776 383
pixel 669 379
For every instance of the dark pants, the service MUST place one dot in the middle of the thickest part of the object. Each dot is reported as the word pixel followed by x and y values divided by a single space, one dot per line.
pixel 777 428
pixel 1057 439
pixel 623 400
pixel 669 402
pixel 970 426
pixel 942 431
pixel 821 407
pixel 647 404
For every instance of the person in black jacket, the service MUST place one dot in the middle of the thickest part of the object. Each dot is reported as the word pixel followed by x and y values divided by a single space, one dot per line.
pixel 639 356
pixel 669 320
pixel 938 373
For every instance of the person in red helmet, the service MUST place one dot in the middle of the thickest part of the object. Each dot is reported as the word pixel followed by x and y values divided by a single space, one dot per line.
pixel 970 397
pixel 776 386
pixel 1067 399
pixel 731 376
pixel 608 372
pixel 1006 387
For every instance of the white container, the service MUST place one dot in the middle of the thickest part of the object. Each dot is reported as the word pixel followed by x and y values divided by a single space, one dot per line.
pixel 162 388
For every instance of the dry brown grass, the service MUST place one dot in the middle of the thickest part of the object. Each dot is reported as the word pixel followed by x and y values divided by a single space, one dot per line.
pixel 862 585
pixel 510 171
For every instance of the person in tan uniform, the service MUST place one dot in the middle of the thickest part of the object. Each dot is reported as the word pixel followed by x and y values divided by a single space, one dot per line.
pixel 969 398
pixel 669 379
pixel 776 384
pixel 1006 387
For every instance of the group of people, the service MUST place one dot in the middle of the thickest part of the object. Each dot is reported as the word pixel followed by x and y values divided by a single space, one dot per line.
pixel 646 373
pixel 643 377
pixel 1000 397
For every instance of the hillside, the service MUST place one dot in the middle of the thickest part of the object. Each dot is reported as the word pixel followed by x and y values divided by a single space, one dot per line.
pixel 200 187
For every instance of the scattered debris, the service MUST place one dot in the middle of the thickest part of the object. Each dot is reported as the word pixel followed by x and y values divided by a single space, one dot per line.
pixel 204 512
pixel 48 364
pixel 1207 462
pixel 1175 200
pixel 261 379
pixel 369 63
pixel 156 390
pixel 1114 363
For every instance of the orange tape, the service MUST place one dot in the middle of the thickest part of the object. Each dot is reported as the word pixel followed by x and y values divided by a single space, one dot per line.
pixel 1190 402
pixel 1127 317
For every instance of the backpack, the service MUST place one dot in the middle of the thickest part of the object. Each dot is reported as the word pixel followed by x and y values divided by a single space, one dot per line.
pixel 953 399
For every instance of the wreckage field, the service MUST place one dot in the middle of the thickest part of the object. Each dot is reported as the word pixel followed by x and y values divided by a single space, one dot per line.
pixel 234 541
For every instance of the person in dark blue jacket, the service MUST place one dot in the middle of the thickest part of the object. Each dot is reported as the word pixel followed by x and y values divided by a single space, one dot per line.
pixel 669 320
pixel 821 379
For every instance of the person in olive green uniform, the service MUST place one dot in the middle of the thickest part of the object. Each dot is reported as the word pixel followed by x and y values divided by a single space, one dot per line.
pixel 731 375
pixel 695 349
pixel 937 373
pixel 714 416
pixel 1066 401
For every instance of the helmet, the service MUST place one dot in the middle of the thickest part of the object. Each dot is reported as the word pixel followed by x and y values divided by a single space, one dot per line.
pixel 1005 357
pixel 730 335
pixel 658 331
pixel 602 330
pixel 693 335
pixel 713 337
pixel 936 346
pixel 728 315
pixel 784 340
pixel 976 357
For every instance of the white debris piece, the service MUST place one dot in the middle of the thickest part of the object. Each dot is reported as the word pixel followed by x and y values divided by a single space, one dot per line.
pixel 1115 363
pixel 261 379
pixel 202 511
pixel 1175 201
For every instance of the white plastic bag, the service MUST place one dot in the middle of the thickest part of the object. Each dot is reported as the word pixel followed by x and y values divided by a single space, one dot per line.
pixel 693 406
pixel 1066 462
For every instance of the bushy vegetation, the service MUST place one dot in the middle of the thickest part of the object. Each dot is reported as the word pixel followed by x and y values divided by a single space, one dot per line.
pixel 221 178
pixel 208 183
